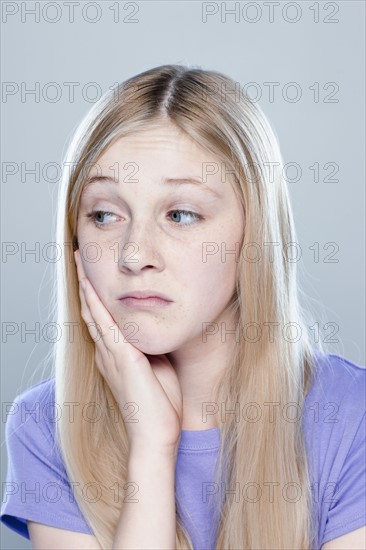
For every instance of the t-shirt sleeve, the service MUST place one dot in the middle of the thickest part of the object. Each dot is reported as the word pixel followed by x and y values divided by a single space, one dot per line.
pixel 348 511
pixel 36 486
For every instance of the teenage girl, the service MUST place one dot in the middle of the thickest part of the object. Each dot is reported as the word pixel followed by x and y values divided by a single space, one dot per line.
pixel 203 415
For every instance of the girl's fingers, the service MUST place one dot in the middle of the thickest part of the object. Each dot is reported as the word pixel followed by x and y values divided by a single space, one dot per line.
pixel 109 339
pixel 99 313
pixel 94 310
pixel 85 311
pixel 79 265
pixel 102 356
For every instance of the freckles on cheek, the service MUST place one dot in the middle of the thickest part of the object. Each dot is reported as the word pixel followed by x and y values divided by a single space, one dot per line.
pixel 218 271
pixel 208 276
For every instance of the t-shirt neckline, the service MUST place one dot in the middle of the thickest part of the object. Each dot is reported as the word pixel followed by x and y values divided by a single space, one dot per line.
pixel 200 439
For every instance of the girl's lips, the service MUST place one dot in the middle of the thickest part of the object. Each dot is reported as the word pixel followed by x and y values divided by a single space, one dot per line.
pixel 148 293
pixel 144 303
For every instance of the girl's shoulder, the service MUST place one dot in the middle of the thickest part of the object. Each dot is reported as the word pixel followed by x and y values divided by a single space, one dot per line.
pixel 336 401
pixel 335 435
pixel 37 487
pixel 337 379
pixel 39 392
pixel 34 405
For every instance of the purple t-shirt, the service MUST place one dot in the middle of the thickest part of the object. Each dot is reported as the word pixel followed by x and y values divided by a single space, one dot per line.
pixel 37 486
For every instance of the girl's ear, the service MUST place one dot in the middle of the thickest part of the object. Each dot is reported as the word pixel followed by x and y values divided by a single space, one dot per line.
pixel 75 244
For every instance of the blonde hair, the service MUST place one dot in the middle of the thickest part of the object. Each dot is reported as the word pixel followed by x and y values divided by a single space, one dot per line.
pixel 265 371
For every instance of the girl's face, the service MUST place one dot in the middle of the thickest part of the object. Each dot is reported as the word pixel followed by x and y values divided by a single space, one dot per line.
pixel 141 240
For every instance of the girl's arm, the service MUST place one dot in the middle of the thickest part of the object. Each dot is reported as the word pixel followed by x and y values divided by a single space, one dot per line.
pixel 150 381
pixel 352 541
pixel 150 522
pixel 47 537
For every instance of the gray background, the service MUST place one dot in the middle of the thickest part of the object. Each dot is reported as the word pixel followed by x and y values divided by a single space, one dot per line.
pixel 328 128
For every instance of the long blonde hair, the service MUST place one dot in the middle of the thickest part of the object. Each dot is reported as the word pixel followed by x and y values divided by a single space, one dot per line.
pixel 263 371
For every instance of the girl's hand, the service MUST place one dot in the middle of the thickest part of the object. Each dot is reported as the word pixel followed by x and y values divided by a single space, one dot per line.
pixel 151 384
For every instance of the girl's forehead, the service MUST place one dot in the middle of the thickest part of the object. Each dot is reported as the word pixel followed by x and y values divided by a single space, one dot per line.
pixel 166 140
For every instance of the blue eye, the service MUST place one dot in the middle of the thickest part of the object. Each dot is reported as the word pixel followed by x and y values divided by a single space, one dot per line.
pixel 95 213
pixel 186 213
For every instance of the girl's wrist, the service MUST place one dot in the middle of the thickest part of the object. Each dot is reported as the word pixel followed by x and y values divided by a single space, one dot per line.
pixel 150 455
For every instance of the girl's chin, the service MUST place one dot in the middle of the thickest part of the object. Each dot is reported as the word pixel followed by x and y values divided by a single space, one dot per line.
pixel 149 342
pixel 150 337
pixel 152 349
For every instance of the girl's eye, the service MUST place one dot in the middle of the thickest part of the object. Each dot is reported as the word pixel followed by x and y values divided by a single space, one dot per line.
pixel 176 216
pixel 98 213
pixel 178 213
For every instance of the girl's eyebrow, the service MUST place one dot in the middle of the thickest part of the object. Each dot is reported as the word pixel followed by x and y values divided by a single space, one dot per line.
pixel 166 181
